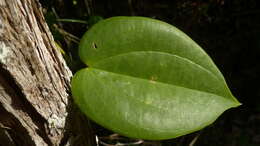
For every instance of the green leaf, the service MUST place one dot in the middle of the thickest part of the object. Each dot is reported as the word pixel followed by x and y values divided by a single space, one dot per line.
pixel 147 79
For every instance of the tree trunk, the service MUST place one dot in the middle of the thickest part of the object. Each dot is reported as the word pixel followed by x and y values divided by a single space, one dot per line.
pixel 35 103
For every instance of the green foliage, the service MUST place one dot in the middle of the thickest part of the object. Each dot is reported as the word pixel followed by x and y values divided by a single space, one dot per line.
pixel 147 79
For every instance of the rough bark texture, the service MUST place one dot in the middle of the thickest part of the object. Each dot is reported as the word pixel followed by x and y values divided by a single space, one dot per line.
pixel 35 104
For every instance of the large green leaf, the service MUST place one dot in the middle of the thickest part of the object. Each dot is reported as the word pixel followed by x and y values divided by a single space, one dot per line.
pixel 147 79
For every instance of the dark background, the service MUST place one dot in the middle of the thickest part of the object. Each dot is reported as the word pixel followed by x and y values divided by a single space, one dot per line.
pixel 228 30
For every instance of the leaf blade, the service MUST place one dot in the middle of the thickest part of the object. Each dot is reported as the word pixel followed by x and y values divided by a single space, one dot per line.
pixel 147 79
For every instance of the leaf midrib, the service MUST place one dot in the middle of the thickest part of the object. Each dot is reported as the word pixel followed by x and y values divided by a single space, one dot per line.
pixel 164 53
pixel 156 82
pixel 166 84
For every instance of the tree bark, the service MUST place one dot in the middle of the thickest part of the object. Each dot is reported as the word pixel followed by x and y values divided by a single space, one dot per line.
pixel 36 107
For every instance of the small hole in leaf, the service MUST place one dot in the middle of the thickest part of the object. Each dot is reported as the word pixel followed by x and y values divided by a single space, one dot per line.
pixel 94 45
